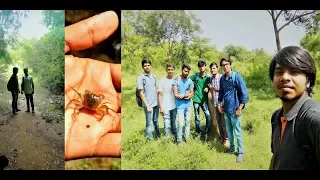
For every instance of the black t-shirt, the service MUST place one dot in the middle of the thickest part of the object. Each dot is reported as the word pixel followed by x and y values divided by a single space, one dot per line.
pixel 299 147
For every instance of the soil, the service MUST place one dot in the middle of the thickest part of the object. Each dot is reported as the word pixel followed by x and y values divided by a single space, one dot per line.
pixel 29 142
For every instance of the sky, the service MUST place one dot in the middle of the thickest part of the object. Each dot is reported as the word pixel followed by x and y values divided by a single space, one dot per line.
pixel 248 28
pixel 32 27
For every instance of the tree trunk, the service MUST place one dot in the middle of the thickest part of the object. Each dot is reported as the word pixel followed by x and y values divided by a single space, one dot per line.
pixel 278 40
pixel 214 124
pixel 276 31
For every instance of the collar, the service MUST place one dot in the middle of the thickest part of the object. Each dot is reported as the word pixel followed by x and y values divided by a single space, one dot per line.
pixel 296 107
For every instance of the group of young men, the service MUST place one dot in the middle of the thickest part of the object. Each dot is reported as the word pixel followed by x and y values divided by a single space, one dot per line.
pixel 27 87
pixel 173 96
pixel 295 126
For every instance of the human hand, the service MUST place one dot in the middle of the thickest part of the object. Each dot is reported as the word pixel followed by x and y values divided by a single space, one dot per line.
pixel 87 136
pixel 238 112
pixel 220 108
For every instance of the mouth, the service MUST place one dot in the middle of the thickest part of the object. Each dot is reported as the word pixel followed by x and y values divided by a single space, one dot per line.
pixel 286 87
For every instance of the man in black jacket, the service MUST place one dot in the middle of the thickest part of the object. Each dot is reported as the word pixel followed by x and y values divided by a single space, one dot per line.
pixel 13 87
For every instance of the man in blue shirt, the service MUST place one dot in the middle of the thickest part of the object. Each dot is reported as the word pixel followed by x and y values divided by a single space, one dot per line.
pixel 147 86
pixel 228 93
pixel 183 91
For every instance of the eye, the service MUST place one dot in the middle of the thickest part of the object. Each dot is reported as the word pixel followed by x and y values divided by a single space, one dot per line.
pixel 278 72
pixel 294 71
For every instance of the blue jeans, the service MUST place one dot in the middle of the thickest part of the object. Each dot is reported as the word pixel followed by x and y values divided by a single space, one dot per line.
pixel 233 124
pixel 153 116
pixel 183 119
pixel 169 119
pixel 205 110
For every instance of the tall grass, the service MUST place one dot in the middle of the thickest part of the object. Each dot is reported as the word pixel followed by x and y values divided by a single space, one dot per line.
pixel 138 153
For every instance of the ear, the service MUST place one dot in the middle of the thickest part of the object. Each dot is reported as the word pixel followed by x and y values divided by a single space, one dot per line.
pixel 308 84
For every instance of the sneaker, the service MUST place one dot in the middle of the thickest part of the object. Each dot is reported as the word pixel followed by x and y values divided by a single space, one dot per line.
pixel 229 151
pixel 206 138
pixel 239 158
pixel 226 143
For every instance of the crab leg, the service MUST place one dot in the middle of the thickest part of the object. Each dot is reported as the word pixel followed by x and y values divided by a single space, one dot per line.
pixel 76 112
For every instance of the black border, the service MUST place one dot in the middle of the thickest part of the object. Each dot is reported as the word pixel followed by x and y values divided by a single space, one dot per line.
pixel 119 174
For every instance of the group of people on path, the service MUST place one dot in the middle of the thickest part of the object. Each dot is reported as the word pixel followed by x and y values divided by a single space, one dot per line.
pixel 27 87
pixel 295 126
pixel 173 97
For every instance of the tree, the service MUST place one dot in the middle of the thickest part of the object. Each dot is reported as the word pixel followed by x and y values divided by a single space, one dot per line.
pixel 170 28
pixel 311 42
pixel 52 18
pixel 307 18
pixel 10 23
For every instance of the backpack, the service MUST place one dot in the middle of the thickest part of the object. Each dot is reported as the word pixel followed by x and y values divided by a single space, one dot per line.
pixel 138 98
pixel 9 84
pixel 233 76
pixel 196 82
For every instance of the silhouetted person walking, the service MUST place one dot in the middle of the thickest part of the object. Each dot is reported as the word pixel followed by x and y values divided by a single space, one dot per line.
pixel 27 87
pixel 13 87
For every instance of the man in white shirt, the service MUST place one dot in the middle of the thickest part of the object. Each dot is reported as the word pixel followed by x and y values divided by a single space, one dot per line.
pixel 167 101
pixel 27 87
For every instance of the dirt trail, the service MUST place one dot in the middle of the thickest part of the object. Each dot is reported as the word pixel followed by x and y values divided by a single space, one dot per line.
pixel 29 142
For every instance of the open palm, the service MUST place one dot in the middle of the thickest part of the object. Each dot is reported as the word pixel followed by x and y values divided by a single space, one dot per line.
pixel 87 135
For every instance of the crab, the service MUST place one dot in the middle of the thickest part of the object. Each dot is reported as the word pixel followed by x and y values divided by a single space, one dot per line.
pixel 90 101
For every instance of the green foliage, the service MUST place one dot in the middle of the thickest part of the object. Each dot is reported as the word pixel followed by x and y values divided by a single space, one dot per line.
pixel 253 65
pixel 10 23
pixel 44 57
pixel 53 18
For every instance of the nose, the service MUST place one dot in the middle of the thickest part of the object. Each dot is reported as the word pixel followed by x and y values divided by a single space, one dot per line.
pixel 285 76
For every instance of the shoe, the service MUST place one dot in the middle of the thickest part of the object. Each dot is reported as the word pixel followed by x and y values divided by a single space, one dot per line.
pixel 32 111
pixel 206 138
pixel 229 151
pixel 18 110
pixel 27 110
pixel 226 143
pixel 239 158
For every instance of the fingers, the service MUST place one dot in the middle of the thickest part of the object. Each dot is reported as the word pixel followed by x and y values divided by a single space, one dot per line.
pixel 116 76
pixel 109 146
pixel 112 123
pixel 91 31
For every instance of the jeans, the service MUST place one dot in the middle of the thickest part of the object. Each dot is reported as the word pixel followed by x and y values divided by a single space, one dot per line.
pixel 233 125
pixel 221 124
pixel 183 119
pixel 153 116
pixel 14 103
pixel 169 119
pixel 29 98
pixel 205 109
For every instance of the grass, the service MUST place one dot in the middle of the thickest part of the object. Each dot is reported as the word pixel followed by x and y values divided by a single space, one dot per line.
pixel 94 164
pixel 139 154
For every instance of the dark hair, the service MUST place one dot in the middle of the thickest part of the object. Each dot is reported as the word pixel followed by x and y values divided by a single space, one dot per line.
pixel 170 65
pixel 213 64
pixel 297 58
pixel 225 59
pixel 185 65
pixel 202 63
pixel 25 69
pixel 144 61
pixel 15 69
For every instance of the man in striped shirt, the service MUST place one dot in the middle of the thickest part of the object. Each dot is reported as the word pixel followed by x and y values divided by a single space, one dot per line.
pixel 214 86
